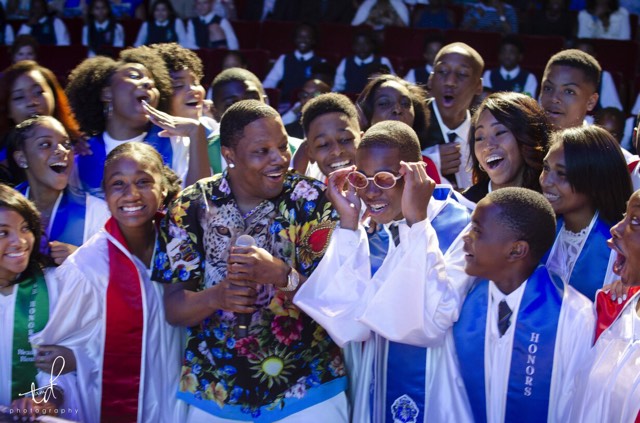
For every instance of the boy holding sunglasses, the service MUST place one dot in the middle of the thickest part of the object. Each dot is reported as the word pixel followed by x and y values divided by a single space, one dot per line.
pixel 371 283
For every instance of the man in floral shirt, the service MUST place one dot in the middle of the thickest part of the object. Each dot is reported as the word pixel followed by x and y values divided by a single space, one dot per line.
pixel 287 368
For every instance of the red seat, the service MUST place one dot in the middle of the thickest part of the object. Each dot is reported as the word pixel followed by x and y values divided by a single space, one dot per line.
pixel 277 37
pixel 247 33
pixel 485 42
pixel 74 26
pixel 257 61
pixel 62 59
pixel 131 28
pixel 538 49
pixel 406 42
pixel 617 56
pixel 335 38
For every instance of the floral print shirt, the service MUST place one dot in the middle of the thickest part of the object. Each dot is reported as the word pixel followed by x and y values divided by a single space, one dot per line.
pixel 288 362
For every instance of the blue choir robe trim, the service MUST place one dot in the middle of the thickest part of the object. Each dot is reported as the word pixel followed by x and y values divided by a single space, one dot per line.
pixel 590 268
pixel 69 220
pixel 404 367
pixel 91 168
pixel 533 348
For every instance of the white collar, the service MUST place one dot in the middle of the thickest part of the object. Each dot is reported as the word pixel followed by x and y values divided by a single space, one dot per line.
pixel 102 25
pixel 303 56
pixel 208 17
pixel 513 299
pixel 162 24
pixel 512 73
pixel 366 61
pixel 43 19
pixel 461 131
pixel 112 142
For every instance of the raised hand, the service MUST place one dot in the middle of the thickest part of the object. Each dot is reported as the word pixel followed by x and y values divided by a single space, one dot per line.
pixel 418 189
pixel 171 125
pixel 346 202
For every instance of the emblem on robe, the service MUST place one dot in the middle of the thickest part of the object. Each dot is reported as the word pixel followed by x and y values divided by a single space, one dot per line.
pixel 404 410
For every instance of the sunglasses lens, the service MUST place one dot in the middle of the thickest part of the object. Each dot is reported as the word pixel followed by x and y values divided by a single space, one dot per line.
pixel 357 180
pixel 384 180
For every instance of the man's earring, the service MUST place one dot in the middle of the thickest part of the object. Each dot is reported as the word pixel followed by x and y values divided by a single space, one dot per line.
pixel 232 166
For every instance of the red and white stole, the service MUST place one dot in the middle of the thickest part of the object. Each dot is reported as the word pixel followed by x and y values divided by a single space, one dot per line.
pixel 122 362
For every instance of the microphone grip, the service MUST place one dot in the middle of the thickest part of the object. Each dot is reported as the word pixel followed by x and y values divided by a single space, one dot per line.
pixel 243 320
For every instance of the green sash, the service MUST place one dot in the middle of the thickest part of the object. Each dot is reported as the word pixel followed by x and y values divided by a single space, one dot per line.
pixel 215 154
pixel 30 316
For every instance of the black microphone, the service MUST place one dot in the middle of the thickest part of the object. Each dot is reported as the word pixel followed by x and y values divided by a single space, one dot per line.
pixel 243 320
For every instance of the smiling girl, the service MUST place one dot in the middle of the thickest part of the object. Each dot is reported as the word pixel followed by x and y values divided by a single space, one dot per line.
pixel 28 89
pixel 124 101
pixel 585 178
pixel 101 30
pixel 128 355
pixel 27 294
pixel 162 26
pixel 509 138
pixel 40 147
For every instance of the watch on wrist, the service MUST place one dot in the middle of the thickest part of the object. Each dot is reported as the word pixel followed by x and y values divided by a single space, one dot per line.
pixel 293 280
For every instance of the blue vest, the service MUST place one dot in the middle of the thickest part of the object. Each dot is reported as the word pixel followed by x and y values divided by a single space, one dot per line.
pixel 161 34
pixel 91 168
pixel 296 73
pixel 498 83
pixel 44 32
pixel 202 33
pixel 99 39
pixel 533 348
pixel 403 366
pixel 357 76
pixel 422 76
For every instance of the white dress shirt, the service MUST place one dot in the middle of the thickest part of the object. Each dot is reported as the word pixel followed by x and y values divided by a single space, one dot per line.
pixel 277 71
pixel 229 33
pixel 340 80
pixel 411 75
pixel 530 86
pixel 181 32
pixel 118 35
pixel 60 29
pixel 463 176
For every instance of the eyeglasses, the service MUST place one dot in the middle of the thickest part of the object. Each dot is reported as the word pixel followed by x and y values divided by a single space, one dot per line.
pixel 383 180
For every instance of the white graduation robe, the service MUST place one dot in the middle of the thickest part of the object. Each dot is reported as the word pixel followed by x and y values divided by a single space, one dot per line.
pixel 78 322
pixel 574 337
pixel 67 381
pixel 412 299
pixel 608 390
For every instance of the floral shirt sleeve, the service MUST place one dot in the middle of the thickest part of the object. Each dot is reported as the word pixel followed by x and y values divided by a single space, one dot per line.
pixel 180 253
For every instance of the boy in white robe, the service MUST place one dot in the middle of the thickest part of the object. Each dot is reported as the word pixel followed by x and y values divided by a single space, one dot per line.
pixel 409 298
pixel 521 336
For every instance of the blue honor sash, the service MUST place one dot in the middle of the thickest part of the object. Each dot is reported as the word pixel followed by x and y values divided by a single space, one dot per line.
pixel 69 220
pixel 533 348
pixel 405 366
pixel 91 168
pixel 590 268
